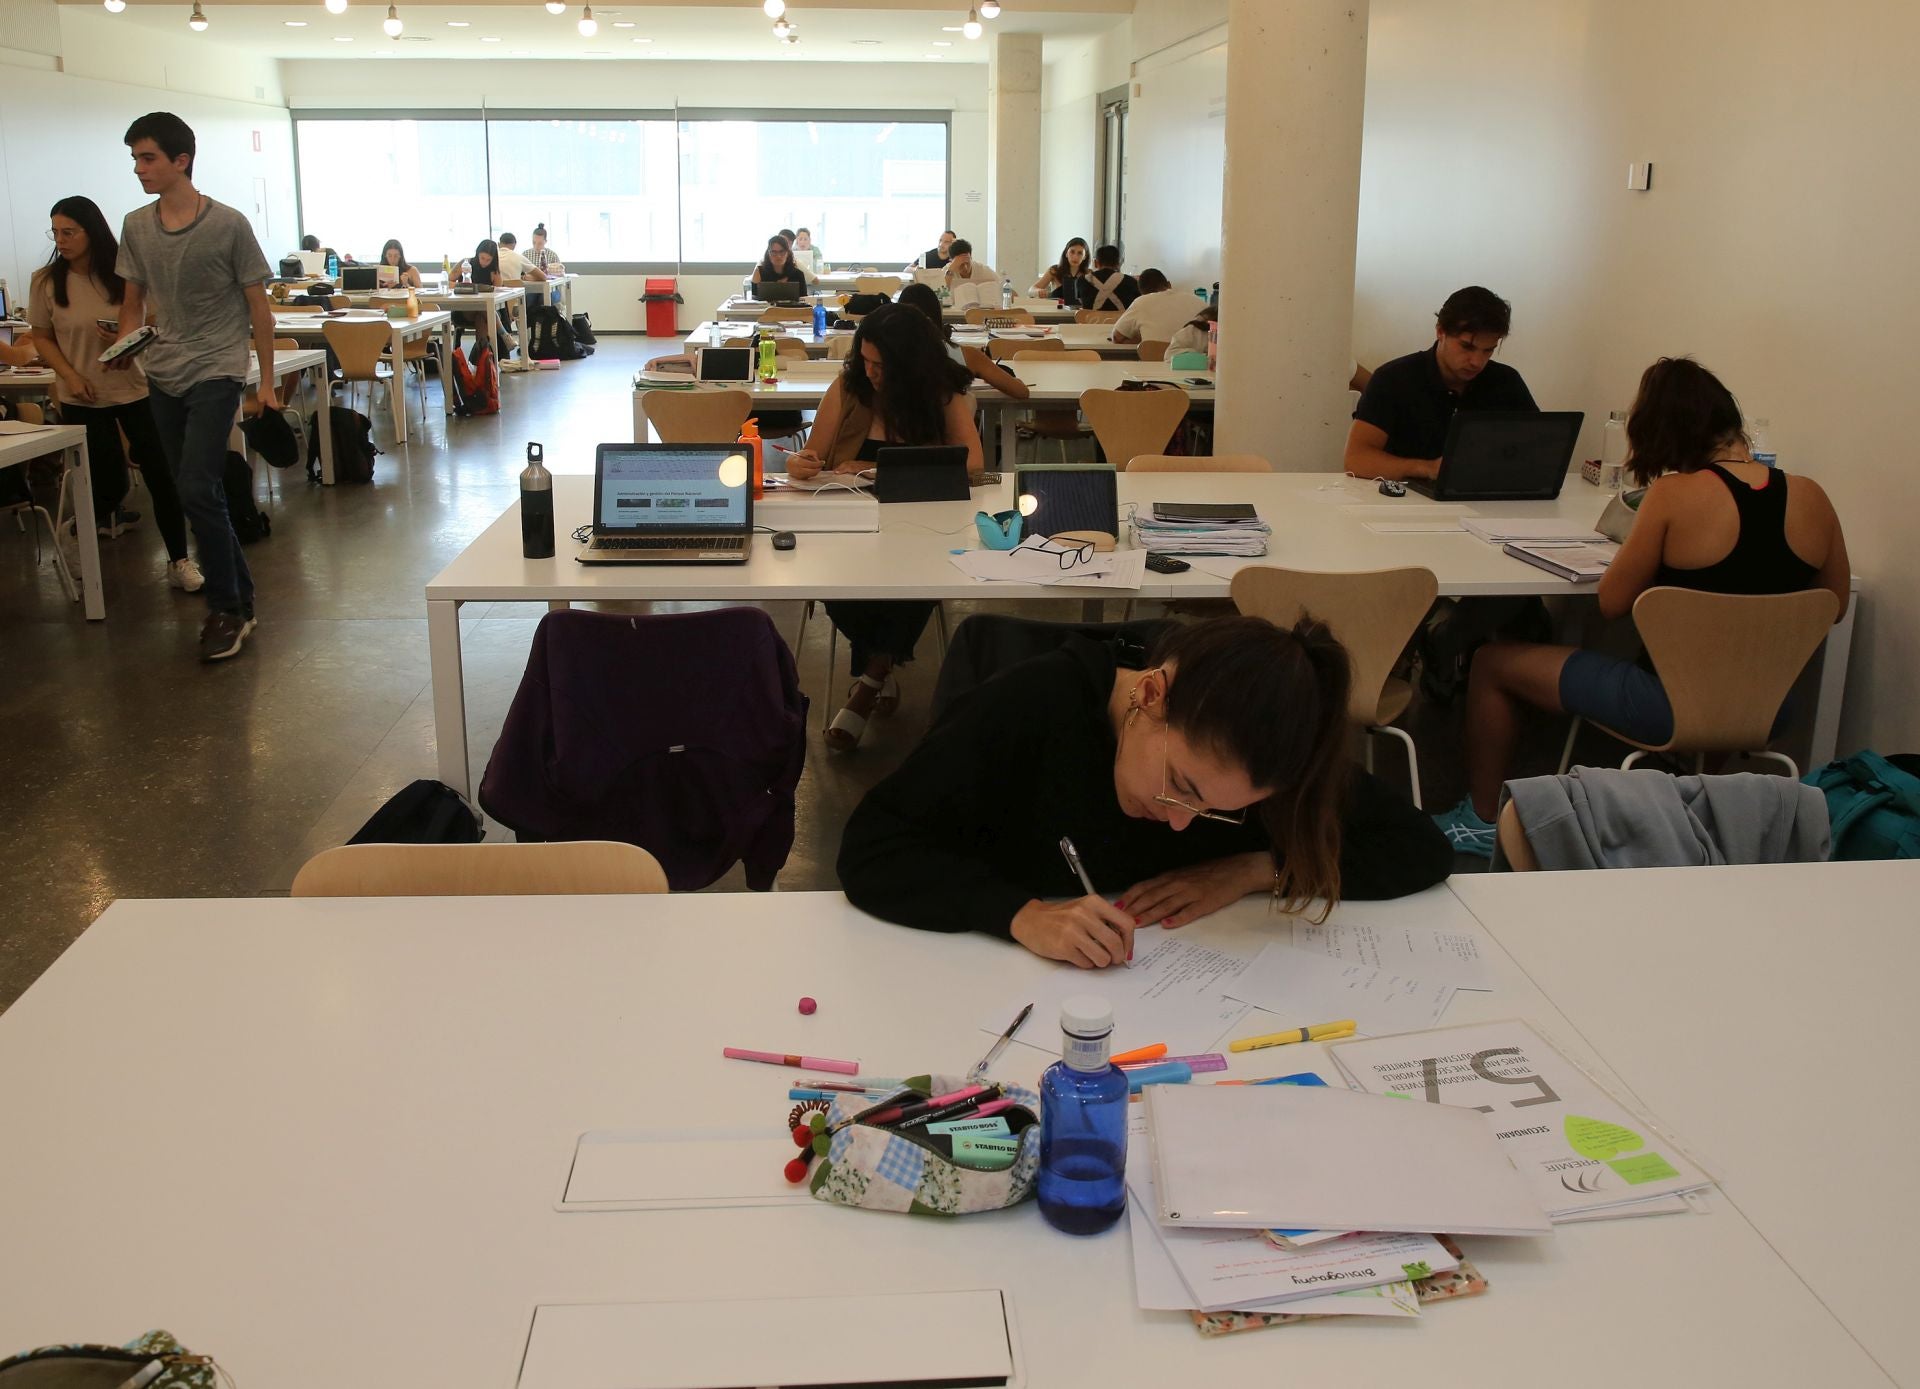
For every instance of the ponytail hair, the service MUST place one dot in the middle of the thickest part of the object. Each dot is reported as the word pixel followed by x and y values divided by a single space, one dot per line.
pixel 1273 700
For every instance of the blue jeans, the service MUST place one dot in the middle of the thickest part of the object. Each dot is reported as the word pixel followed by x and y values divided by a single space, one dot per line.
pixel 193 431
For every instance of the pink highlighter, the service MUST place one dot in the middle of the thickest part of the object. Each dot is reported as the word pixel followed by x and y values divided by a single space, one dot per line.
pixel 777 1058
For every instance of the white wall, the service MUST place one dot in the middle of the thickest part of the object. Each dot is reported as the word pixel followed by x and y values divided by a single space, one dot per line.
pixel 1776 244
pixel 1069 136
pixel 613 300
pixel 1176 160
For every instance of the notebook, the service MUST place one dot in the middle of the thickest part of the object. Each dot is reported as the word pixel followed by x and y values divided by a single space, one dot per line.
pixel 1233 1157
pixel 669 504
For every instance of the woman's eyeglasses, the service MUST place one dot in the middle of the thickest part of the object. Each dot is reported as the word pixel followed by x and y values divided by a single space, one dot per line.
pixel 1068 554
pixel 1225 817
pixel 57 235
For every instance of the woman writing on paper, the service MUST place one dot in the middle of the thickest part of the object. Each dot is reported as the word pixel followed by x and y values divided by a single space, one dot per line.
pixel 1712 519
pixel 1217 770
pixel 898 387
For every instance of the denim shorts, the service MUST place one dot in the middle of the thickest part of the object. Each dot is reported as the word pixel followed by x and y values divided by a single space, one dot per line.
pixel 1625 697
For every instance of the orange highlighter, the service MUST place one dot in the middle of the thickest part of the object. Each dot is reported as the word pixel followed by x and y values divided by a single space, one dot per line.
pixel 1152 1053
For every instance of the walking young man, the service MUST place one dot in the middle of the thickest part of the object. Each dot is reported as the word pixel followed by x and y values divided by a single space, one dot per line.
pixel 199 263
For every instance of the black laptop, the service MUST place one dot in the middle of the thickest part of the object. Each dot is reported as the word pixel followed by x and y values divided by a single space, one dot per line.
pixel 778 292
pixel 937 473
pixel 1504 456
pixel 356 279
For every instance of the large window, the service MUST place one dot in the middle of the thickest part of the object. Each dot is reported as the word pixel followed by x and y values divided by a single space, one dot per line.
pixel 622 190
pixel 869 191
pixel 422 181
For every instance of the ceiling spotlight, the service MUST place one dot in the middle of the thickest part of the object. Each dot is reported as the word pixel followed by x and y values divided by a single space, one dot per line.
pixel 589 26
pixel 392 23
pixel 972 27
pixel 114 6
pixel 197 21
pixel 989 9
pixel 781 28
pixel 774 8
pixel 556 6
pixel 294 23
pixel 459 24
pixel 336 6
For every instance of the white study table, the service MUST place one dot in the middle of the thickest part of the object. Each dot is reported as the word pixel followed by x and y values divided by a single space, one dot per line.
pixel 310 329
pixel 740 308
pixel 1086 337
pixel 1320 522
pixel 359 1114
pixel 70 441
pixel 1764 1014
pixel 510 295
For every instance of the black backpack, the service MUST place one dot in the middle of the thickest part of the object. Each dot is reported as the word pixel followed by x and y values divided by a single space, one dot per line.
pixel 353 448
pixel 553 338
pixel 568 346
pixel 250 523
pixel 423 812
pixel 583 330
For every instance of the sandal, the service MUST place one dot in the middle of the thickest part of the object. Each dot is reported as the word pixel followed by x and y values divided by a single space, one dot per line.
pixel 887 703
pixel 844 733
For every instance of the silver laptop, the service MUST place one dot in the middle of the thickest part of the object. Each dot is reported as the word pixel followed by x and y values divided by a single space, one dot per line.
pixel 670 504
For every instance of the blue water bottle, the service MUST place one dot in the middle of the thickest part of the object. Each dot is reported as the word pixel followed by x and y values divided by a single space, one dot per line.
pixel 333 267
pixel 819 322
pixel 1083 1124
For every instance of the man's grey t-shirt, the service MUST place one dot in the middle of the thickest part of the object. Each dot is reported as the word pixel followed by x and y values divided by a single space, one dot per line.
pixel 196 279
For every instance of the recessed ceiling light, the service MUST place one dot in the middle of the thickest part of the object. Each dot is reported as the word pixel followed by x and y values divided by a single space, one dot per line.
pixel 458 24
pixel 953 28
pixel 623 23
pixel 294 23
pixel 489 38
pixel 865 43
pixel 643 40
pixel 343 38
pixel 943 43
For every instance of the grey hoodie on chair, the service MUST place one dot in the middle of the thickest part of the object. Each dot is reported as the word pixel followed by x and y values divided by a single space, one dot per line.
pixel 1599 817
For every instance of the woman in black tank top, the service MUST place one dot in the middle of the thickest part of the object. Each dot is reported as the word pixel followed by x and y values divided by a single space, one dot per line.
pixel 1684 422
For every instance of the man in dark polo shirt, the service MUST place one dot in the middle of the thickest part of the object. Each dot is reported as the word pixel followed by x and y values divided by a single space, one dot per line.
pixel 1400 425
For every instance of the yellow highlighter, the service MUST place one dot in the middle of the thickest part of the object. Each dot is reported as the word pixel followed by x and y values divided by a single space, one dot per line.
pixel 1322 1032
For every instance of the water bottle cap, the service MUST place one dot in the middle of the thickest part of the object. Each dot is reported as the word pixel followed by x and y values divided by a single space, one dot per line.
pixel 1086 1015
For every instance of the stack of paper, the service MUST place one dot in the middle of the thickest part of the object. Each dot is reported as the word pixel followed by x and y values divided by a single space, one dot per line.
pixel 1499 530
pixel 1175 529
pixel 1064 566
pixel 1586 1156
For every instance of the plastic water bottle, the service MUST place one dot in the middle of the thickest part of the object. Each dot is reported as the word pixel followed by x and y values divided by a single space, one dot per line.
pixel 1006 293
pixel 1083 1124
pixel 1213 346
pixel 819 322
pixel 769 360
pixel 333 266
pixel 1761 436
pixel 536 506
pixel 1613 450
pixel 714 334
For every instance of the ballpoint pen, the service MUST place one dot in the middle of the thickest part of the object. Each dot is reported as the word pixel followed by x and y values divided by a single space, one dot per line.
pixel 1080 871
pixel 1000 1044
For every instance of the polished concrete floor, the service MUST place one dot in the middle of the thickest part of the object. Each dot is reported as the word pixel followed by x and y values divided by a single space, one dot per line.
pixel 131 770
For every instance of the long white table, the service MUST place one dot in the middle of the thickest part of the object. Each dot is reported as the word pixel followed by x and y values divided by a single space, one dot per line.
pixel 1080 337
pixel 1762 1013
pixel 358 1115
pixel 1320 522
pixel 510 295
pixel 69 441
pixel 744 309
pixel 310 329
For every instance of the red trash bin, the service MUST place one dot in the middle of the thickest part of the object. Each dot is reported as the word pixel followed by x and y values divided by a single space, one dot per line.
pixel 663 312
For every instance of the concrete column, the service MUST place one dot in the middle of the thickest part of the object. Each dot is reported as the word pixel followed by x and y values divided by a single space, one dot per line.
pixel 1013 155
pixel 1296 94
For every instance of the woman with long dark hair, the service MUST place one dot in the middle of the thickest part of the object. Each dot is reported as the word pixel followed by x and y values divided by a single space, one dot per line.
pixel 924 301
pixel 73 307
pixel 1061 279
pixel 898 387
pixel 484 271
pixel 1216 770
pixel 778 264
pixel 394 257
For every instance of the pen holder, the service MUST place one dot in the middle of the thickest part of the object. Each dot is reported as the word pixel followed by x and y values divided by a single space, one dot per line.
pixel 999 530
pixel 893 1170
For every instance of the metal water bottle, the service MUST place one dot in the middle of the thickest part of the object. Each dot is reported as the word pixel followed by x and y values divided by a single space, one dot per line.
pixel 536 506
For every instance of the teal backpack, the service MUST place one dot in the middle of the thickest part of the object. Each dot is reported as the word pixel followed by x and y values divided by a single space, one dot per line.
pixel 1873 803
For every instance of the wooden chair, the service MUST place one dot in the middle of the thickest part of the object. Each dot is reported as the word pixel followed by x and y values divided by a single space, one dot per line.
pixel 888 285
pixel 1199 463
pixel 1097 316
pixel 297 308
pixel 1078 354
pixel 27 412
pixel 996 317
pixel 1153 351
pixel 359 345
pixel 1373 614
pixel 838 347
pixel 696 417
pixel 1512 838
pixel 1130 423
pixel 786 313
pixel 340 301
pixel 1727 661
pixel 999 349
pixel 790 347
pixel 587 866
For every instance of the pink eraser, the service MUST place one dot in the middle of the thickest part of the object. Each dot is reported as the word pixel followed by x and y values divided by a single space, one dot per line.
pixel 807 1006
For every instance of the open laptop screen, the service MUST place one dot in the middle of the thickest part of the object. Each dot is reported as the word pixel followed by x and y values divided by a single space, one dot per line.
pixel 693 487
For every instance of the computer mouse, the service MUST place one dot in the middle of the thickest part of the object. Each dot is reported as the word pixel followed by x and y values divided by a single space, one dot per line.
pixel 1390 488
pixel 783 540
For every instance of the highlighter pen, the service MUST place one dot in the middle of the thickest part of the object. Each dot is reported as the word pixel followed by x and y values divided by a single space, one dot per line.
pixel 1167 1073
pixel 963 1109
pixel 897 1113
pixel 787 1058
pixel 1140 1054
pixel 1080 871
pixel 1320 1032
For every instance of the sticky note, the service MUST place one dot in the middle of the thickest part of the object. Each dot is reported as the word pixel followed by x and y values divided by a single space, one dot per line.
pixel 1600 1139
pixel 1647 1167
pixel 991 1125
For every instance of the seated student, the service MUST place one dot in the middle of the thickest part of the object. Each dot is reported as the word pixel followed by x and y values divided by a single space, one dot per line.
pixel 963 269
pixel 1106 288
pixel 1179 786
pixel 311 244
pixel 1192 335
pixel 936 257
pixel 983 367
pixel 1400 425
pixel 1712 520
pixel 806 255
pixel 1157 314
pixel 484 271
pixel 513 265
pixel 544 256
pixel 778 265
pixel 898 387
pixel 393 255
pixel 1061 280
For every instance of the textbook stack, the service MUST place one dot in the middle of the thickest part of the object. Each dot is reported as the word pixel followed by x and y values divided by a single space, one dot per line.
pixel 1180 528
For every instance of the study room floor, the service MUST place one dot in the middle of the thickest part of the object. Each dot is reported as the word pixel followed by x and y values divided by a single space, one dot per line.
pixel 133 771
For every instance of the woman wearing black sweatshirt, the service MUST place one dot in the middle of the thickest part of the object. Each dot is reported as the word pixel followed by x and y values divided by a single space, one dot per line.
pixel 1218 771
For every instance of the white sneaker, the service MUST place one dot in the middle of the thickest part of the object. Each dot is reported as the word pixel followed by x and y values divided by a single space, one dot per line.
pixel 185 575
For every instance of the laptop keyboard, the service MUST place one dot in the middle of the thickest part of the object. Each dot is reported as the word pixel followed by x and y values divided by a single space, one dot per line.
pixel 668 542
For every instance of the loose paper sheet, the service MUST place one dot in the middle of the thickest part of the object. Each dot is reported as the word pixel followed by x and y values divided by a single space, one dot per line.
pixel 1431 939
pixel 1305 988
pixel 1115 569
